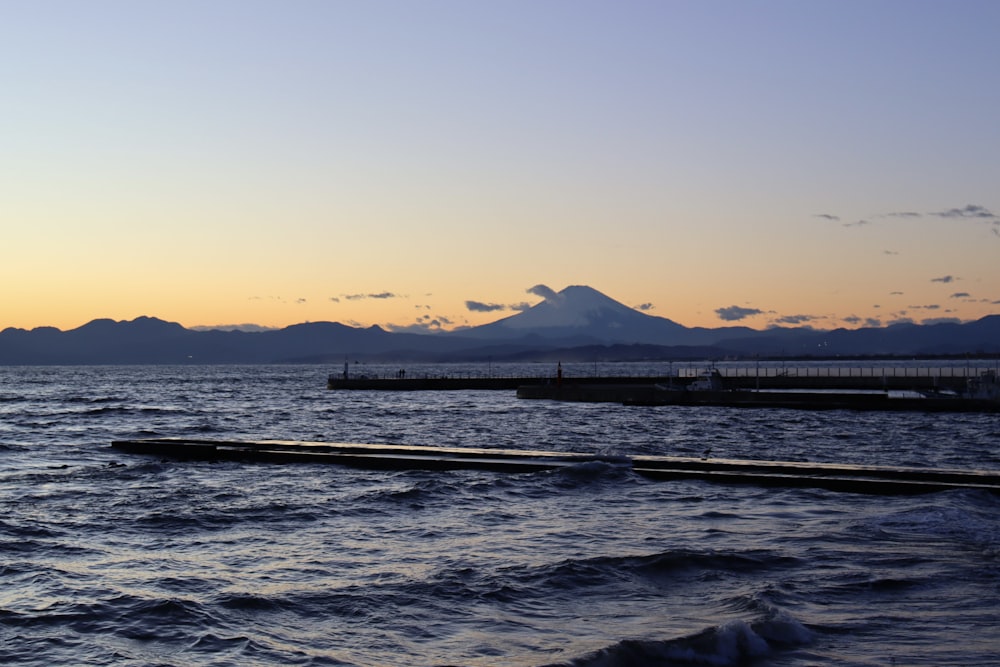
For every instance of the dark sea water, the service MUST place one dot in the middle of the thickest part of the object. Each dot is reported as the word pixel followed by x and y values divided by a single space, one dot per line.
pixel 113 559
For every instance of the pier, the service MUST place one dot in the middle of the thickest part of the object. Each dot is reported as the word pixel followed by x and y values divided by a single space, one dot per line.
pixel 848 478
pixel 750 376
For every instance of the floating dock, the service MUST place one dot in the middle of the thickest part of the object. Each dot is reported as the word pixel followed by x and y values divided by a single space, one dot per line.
pixel 850 478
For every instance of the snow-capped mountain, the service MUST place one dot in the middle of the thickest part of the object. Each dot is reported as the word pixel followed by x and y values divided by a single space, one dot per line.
pixel 582 313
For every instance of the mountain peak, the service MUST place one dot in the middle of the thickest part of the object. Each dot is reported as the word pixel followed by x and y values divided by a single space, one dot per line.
pixel 579 311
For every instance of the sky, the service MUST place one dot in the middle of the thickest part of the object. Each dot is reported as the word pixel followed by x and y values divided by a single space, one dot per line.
pixel 436 164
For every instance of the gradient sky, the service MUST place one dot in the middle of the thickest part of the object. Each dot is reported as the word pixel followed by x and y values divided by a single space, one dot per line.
pixel 425 163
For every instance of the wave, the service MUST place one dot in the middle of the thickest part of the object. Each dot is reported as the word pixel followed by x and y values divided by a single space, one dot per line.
pixel 666 567
pixel 733 643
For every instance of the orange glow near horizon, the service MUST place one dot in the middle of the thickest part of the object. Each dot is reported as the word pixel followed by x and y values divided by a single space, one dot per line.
pixel 225 183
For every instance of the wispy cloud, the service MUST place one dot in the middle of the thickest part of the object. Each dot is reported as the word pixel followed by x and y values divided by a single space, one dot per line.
pixel 854 320
pixel 941 320
pixel 248 328
pixel 960 295
pixel 483 307
pixel 975 212
pixel 794 319
pixel 543 291
pixel 645 306
pixel 945 279
pixel 736 313
pixel 377 295
pixel 423 324
pixel 480 307
pixel 969 211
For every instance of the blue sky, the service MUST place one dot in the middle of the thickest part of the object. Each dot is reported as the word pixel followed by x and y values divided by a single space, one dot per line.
pixel 827 163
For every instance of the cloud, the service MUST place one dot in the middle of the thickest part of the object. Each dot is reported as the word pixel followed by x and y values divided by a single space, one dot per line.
pixel 483 307
pixel 945 279
pixel 543 291
pixel 249 328
pixel 334 299
pixel 480 307
pixel 960 295
pixel 896 293
pixel 794 319
pixel 889 252
pixel 933 306
pixel 969 211
pixel 900 320
pixel 379 295
pixel 736 313
pixel 300 300
pixel 828 216
pixel 424 324
pixel 941 320
pixel 867 321
pixel 644 307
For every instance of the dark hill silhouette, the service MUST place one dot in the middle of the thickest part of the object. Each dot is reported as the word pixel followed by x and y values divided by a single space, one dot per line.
pixel 578 322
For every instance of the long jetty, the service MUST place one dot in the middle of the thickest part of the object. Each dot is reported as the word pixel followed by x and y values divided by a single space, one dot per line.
pixel 849 478
pixel 875 378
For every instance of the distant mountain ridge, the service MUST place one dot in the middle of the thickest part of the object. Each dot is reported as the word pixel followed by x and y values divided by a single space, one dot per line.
pixel 577 323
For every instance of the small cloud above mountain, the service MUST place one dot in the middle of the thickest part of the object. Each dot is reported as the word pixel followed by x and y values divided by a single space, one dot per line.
pixel 645 307
pixel 480 307
pixel 543 291
pixel 736 313
pixel 423 325
pixel 794 319
pixel 249 328
pixel 941 320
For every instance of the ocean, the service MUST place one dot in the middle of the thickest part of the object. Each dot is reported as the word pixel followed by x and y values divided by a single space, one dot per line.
pixel 108 558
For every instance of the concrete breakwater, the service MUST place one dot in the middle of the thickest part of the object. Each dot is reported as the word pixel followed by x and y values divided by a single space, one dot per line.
pixel 850 478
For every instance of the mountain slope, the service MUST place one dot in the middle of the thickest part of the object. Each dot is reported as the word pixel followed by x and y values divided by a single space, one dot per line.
pixel 581 313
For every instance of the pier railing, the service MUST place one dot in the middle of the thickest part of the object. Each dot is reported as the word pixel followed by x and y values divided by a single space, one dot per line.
pixel 736 375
